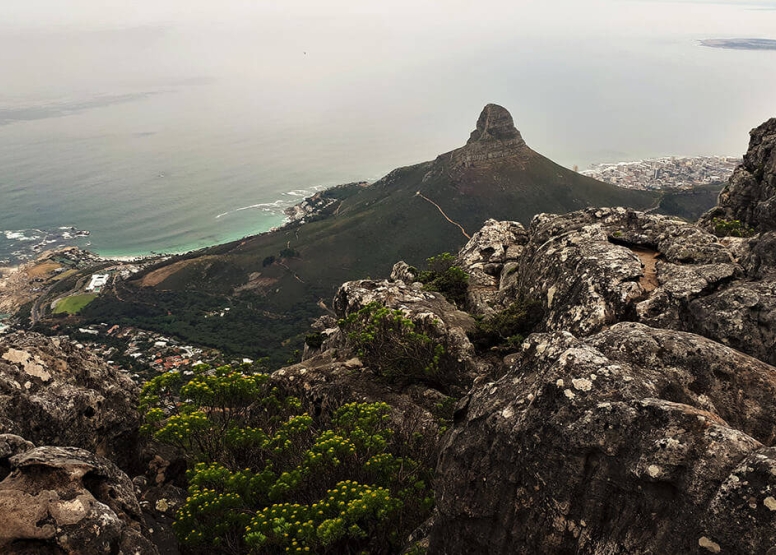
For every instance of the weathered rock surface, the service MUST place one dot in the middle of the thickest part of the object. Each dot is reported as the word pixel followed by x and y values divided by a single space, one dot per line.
pixel 159 504
pixel 593 268
pixel 53 393
pixel 490 255
pixel 750 196
pixel 609 436
pixel 633 441
pixel 65 500
pixel 742 316
pixel 759 256
pixel 494 137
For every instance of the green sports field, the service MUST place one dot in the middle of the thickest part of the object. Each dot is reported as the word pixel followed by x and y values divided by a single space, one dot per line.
pixel 74 304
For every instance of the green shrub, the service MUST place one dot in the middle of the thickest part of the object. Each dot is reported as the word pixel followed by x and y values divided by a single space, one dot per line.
pixel 388 343
pixel 201 415
pixel 508 327
pixel 446 278
pixel 264 478
pixel 731 228
pixel 314 340
pixel 444 411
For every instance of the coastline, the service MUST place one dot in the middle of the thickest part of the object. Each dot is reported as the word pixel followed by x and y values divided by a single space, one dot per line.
pixel 304 205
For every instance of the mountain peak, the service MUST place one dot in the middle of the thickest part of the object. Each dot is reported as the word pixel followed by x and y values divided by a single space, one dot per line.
pixel 495 123
pixel 495 137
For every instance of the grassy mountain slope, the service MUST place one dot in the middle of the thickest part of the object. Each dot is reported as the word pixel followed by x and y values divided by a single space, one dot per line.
pixel 494 176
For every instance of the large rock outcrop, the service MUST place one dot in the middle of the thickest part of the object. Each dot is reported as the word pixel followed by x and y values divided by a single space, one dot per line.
pixel 491 253
pixel 634 440
pixel 495 124
pixel 634 423
pixel 65 500
pixel 750 196
pixel 599 266
pixel 429 312
pixel 53 393
pixel 494 137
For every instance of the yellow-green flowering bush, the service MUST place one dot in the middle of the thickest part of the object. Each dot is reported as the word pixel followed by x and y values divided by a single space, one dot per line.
pixel 265 477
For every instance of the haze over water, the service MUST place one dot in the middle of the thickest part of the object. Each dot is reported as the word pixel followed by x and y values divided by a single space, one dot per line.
pixel 166 126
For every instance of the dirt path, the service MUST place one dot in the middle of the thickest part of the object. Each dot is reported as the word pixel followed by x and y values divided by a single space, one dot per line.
pixel 648 257
pixel 424 197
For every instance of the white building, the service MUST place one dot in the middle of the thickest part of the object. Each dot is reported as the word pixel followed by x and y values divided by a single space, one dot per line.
pixel 98 282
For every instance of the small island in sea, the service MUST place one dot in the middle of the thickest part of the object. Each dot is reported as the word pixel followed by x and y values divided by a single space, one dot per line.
pixel 741 44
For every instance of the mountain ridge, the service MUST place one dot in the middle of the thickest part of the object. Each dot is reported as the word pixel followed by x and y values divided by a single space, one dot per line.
pixel 275 282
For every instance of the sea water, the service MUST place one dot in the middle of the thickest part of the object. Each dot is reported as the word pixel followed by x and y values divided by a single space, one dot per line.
pixel 173 130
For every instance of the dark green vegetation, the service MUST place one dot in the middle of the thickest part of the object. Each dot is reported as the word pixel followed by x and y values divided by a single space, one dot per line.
pixel 253 327
pixel 731 228
pixel 365 230
pixel 689 204
pixel 508 327
pixel 388 343
pixel 445 277
pixel 265 477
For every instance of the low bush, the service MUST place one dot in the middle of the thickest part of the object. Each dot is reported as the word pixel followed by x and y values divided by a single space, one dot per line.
pixel 389 344
pixel 314 340
pixel 446 278
pixel 265 478
pixel 731 228
pixel 288 252
pixel 509 327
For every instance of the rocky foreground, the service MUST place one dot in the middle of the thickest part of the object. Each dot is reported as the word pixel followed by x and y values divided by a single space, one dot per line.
pixel 640 417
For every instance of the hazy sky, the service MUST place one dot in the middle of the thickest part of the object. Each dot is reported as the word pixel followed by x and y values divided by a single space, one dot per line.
pixel 391 62
pixel 101 13
pixel 112 111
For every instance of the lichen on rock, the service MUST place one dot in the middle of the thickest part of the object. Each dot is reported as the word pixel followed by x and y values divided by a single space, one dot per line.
pixel 53 393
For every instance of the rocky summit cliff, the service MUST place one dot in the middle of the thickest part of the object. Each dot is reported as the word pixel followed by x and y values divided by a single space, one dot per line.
pixel 495 137
pixel 750 196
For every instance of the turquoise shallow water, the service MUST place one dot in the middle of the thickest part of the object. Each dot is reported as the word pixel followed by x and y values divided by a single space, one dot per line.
pixel 138 185
pixel 170 135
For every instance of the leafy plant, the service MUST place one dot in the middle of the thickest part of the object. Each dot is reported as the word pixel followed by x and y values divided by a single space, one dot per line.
pixel 508 327
pixel 201 415
pixel 266 479
pixel 731 228
pixel 389 344
pixel 444 411
pixel 314 340
pixel 445 277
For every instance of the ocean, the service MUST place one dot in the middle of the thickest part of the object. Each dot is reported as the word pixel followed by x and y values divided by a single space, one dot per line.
pixel 189 125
